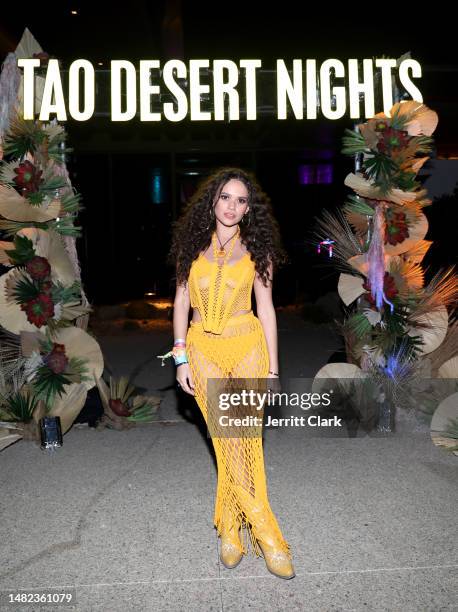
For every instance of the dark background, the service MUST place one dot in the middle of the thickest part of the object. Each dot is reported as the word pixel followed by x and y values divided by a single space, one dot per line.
pixel 134 177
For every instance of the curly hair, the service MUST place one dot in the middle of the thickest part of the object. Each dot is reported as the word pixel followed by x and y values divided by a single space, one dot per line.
pixel 192 232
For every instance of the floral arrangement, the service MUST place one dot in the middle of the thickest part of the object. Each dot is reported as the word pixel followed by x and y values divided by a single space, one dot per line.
pixel 396 327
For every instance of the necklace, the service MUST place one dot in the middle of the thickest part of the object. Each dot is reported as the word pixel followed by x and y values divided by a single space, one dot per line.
pixel 221 250
pixel 218 253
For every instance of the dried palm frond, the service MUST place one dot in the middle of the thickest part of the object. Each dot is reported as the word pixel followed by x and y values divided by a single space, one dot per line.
pixel 408 276
pixel 7 173
pixel 24 137
pixel 10 357
pixel 398 373
pixel 16 208
pixel 423 202
pixel 28 45
pixel 358 213
pixel 412 209
pixel 350 287
pixel 449 370
pixel 12 380
pixel 10 345
pixel 334 226
pixel 418 117
pixel 358 223
pixel 418 251
pixel 446 350
pixel 442 290
pixel 368 189
pixel 429 330
pixel 418 164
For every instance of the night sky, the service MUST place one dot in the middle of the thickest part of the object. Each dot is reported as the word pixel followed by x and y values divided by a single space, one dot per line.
pixel 133 30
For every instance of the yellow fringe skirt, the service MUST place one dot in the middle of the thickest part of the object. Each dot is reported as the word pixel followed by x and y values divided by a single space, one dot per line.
pixel 240 352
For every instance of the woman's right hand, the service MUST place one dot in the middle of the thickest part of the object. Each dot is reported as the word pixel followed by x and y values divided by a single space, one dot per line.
pixel 184 377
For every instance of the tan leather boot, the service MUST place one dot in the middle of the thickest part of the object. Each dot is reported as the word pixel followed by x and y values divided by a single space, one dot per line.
pixel 278 561
pixel 231 547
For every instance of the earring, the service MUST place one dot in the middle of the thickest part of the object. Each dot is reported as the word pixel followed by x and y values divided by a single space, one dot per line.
pixel 211 218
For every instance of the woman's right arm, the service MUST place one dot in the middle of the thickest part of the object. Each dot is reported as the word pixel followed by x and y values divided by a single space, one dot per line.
pixel 181 306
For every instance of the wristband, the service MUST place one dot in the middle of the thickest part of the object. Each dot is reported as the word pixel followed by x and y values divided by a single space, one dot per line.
pixel 179 359
pixel 178 353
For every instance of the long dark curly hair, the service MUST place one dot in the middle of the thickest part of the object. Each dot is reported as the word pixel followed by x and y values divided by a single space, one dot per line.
pixel 191 233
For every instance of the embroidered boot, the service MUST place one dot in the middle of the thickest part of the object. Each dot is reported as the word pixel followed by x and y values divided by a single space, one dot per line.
pixel 278 561
pixel 231 547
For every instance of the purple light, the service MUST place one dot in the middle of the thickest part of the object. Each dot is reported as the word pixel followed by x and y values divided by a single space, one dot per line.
pixel 327 244
pixel 315 174
pixel 324 173
pixel 306 174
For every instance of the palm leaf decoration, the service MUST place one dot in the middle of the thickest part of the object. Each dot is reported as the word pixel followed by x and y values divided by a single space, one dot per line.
pixel 358 205
pixel 21 405
pixel 353 143
pixel 64 226
pixel 23 136
pixel 380 167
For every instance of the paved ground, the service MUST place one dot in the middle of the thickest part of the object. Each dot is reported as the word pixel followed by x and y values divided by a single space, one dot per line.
pixel 126 517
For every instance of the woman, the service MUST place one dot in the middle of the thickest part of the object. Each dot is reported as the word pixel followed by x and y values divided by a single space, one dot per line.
pixel 225 244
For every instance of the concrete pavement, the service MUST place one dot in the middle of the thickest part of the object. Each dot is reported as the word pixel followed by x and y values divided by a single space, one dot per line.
pixel 125 518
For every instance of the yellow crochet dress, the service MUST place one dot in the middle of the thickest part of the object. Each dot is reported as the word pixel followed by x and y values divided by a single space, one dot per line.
pixel 223 346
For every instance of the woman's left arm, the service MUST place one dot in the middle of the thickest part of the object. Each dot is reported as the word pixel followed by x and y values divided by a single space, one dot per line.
pixel 267 316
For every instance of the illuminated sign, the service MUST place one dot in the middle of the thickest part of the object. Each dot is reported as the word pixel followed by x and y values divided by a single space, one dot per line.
pixel 134 92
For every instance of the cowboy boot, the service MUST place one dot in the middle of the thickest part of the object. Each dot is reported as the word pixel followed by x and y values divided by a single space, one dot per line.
pixel 231 553
pixel 278 561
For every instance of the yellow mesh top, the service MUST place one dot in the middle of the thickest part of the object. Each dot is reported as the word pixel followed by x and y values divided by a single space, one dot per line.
pixel 220 291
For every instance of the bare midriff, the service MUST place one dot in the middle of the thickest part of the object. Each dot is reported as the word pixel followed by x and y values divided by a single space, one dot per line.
pixel 196 314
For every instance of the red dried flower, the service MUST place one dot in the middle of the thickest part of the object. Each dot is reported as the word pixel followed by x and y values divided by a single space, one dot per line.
pixel 46 287
pixel 57 360
pixel 396 229
pixel 39 310
pixel 38 267
pixel 392 139
pixel 381 125
pixel 28 177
